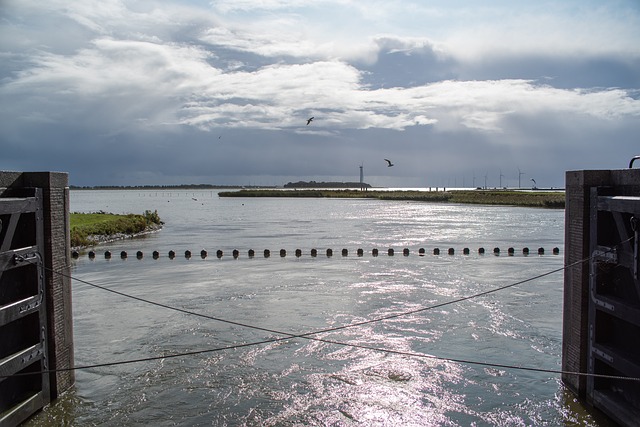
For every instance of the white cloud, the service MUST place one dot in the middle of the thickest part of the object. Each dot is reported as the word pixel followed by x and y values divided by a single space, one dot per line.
pixel 175 83
pixel 469 30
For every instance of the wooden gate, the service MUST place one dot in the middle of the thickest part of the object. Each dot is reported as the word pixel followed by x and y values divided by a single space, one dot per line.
pixel 24 380
pixel 614 305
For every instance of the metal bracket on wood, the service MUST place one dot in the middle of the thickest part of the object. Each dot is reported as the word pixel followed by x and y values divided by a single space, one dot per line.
pixel 26 257
pixel 605 254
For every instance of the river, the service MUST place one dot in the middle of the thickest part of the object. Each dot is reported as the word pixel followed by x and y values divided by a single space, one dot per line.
pixel 421 350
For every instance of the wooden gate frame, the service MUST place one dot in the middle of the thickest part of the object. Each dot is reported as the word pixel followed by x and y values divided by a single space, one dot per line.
pixel 25 381
pixel 614 305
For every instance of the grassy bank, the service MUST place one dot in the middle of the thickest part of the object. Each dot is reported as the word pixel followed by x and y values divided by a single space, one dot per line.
pixel 542 199
pixel 90 228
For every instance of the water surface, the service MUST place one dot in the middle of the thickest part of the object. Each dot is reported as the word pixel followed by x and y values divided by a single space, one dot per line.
pixel 432 367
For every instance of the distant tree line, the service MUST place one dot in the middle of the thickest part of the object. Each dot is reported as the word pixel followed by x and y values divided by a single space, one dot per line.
pixel 314 184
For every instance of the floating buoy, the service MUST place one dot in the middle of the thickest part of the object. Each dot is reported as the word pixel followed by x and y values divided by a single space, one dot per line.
pixel 314 252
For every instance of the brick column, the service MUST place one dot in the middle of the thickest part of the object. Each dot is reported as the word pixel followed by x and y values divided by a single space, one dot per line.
pixel 575 336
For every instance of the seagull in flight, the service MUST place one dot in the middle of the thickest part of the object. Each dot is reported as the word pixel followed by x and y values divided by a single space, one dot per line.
pixel 389 163
pixel 309 120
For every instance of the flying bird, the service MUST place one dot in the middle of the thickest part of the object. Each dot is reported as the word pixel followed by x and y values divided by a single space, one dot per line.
pixel 389 163
pixel 309 120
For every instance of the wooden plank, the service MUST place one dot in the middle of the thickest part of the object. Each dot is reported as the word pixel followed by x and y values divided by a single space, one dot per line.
pixel 15 363
pixel 19 309
pixel 627 204
pixel 7 258
pixel 10 228
pixel 619 361
pixel 610 403
pixel 617 308
pixel 11 205
pixel 19 413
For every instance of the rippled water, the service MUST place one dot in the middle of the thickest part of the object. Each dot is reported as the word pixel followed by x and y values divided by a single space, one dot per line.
pixel 425 368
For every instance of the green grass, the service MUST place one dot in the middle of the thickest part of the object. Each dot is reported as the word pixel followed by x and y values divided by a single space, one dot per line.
pixel 542 199
pixel 85 225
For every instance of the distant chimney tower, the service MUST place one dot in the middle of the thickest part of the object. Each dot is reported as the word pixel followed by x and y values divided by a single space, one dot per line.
pixel 361 177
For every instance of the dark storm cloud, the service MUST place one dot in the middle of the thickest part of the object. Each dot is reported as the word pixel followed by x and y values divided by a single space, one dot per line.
pixel 564 72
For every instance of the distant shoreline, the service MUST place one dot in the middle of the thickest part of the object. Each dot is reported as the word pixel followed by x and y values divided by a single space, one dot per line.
pixel 329 184
pixel 543 197
pixel 529 198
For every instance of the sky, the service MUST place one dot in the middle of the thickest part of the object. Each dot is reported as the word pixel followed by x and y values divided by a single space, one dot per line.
pixel 455 93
